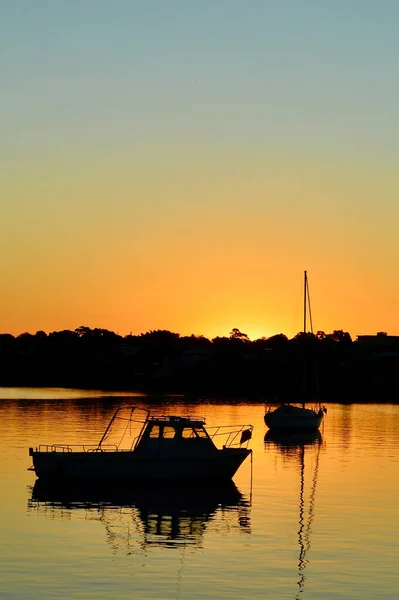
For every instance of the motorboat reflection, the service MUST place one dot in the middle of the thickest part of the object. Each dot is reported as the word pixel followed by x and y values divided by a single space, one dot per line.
pixel 156 514
pixel 296 446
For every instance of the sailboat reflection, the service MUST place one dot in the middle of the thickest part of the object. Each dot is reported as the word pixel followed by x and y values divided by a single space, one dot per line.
pixel 292 446
pixel 156 514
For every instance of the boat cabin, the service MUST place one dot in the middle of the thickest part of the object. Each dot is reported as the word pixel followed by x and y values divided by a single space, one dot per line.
pixel 170 435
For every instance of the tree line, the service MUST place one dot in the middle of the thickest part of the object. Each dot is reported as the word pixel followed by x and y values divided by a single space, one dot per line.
pixel 327 366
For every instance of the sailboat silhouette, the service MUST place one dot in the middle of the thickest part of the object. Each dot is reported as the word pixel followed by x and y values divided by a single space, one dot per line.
pixel 292 416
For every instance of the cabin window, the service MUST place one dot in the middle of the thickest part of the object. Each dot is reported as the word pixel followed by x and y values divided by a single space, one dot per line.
pixel 188 432
pixel 168 432
pixel 193 432
pixel 200 432
pixel 154 433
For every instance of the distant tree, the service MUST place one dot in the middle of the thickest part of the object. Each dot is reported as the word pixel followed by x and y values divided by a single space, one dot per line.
pixel 40 340
pixel 83 331
pixel 106 336
pixel 221 341
pixel 6 337
pixel 25 336
pixel 6 341
pixel 302 336
pixel 260 344
pixel 161 334
pixel 196 340
pixel 276 341
pixel 236 334
pixel 26 342
pixel 63 341
pixel 65 334
pixel 160 340
pixel 131 338
pixel 338 335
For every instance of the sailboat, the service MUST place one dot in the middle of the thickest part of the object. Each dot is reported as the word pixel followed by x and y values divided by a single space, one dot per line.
pixel 297 417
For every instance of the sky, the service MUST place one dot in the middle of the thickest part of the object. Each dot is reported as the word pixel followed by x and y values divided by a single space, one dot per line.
pixel 167 164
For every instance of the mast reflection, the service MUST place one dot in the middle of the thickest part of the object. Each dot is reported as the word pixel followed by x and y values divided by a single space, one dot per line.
pixel 147 514
pixel 294 446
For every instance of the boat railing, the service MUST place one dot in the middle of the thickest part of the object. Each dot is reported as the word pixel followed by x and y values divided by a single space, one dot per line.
pixel 77 448
pixel 231 436
pixel 314 405
pixel 173 419
pixel 121 447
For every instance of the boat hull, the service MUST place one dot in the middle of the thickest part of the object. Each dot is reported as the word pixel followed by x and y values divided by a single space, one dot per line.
pixel 292 418
pixel 222 464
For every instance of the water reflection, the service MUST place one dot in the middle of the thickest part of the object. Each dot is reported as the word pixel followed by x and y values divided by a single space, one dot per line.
pixel 148 514
pixel 292 443
pixel 301 447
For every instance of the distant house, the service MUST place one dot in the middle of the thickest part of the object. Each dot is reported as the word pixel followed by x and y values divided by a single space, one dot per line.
pixel 379 340
pixel 380 344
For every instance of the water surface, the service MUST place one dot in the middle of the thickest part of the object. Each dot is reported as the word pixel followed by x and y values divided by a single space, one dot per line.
pixel 320 520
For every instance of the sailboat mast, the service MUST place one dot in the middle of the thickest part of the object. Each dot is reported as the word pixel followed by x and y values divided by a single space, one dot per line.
pixel 305 308
pixel 305 289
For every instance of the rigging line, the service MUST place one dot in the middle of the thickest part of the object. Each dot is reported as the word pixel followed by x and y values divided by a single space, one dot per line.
pixel 316 374
pixel 317 385
pixel 309 307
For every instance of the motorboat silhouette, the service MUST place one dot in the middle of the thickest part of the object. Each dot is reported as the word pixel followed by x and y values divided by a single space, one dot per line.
pixel 137 446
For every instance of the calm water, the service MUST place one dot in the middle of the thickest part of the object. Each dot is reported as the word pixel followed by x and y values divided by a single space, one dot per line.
pixel 321 520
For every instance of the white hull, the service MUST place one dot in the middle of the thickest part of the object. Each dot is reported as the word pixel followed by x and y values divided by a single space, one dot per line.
pixel 222 464
pixel 293 418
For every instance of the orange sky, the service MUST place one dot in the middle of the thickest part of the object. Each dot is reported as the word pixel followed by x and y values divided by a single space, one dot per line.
pixel 170 186
pixel 215 247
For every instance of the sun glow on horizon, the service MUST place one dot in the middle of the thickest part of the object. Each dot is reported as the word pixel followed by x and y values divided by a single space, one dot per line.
pixel 164 173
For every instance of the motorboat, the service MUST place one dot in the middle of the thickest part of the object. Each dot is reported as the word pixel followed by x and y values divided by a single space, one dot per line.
pixel 297 416
pixel 136 445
